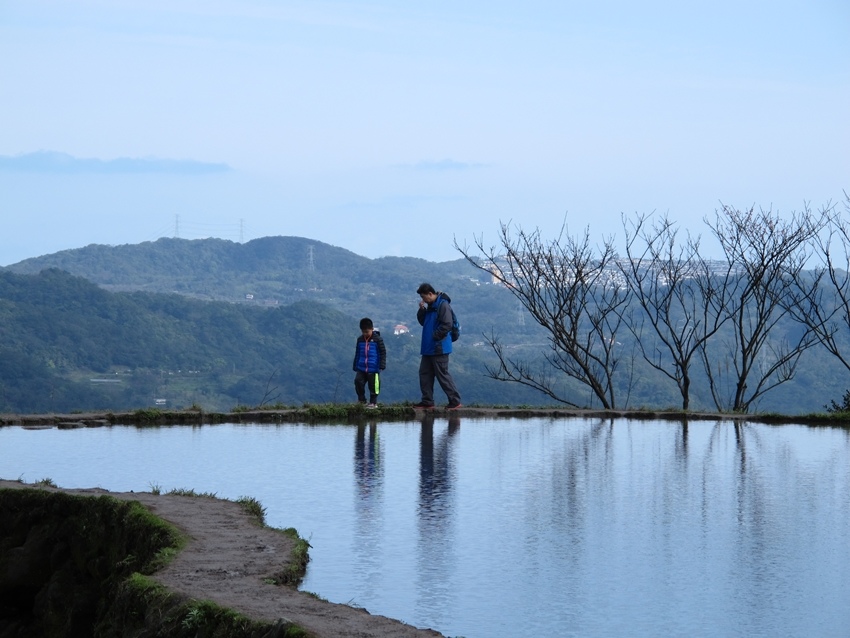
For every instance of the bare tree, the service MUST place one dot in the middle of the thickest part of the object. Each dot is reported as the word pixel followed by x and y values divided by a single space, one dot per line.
pixel 820 297
pixel 271 393
pixel 575 293
pixel 766 254
pixel 680 296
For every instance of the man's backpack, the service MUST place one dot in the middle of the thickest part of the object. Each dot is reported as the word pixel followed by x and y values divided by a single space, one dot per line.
pixel 455 326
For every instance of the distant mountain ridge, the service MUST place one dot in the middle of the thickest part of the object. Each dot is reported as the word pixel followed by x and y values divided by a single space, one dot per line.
pixel 267 271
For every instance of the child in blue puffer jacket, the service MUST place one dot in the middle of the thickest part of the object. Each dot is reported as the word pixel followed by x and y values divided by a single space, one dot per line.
pixel 370 357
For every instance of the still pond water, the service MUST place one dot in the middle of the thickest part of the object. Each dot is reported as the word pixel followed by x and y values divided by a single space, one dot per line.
pixel 536 527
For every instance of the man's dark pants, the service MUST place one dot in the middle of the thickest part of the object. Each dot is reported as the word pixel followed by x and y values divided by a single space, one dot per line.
pixel 436 367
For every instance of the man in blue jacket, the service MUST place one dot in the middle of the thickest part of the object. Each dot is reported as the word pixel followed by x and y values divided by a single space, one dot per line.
pixel 435 317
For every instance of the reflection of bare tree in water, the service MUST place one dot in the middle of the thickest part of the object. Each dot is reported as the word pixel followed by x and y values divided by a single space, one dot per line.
pixel 435 515
pixel 682 444
pixel 368 477
pixel 571 477
pixel 755 533
pixel 583 472
pixel 750 490
pixel 752 487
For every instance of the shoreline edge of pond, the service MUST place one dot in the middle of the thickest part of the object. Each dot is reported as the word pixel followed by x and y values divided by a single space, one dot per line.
pixel 355 413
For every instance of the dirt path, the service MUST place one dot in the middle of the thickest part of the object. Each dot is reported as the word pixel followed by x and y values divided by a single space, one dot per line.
pixel 227 558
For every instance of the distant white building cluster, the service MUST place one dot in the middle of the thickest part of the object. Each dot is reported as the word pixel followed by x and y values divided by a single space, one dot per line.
pixel 612 273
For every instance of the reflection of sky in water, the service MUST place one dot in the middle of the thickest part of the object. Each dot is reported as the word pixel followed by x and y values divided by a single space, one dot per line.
pixel 558 527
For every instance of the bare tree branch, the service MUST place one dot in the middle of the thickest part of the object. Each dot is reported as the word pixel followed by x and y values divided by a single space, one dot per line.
pixel 271 393
pixel 571 290
pixel 680 295
pixel 767 254
pixel 820 297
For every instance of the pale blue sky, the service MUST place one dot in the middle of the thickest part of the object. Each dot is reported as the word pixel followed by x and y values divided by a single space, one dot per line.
pixel 388 127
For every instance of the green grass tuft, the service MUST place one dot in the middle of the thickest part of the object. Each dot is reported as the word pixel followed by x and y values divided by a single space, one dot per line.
pixel 253 507
pixel 148 415
pixel 182 491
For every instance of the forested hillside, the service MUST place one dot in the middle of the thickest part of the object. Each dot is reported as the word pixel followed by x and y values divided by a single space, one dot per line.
pixel 69 345
pixel 219 324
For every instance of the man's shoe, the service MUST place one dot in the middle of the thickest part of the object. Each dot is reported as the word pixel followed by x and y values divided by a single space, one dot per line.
pixel 424 406
pixel 371 406
pixel 456 406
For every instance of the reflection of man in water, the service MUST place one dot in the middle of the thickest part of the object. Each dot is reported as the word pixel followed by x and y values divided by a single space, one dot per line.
pixel 436 545
pixel 434 472
pixel 454 424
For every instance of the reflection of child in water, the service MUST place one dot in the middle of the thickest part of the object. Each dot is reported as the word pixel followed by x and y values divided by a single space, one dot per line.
pixel 370 357
pixel 367 458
